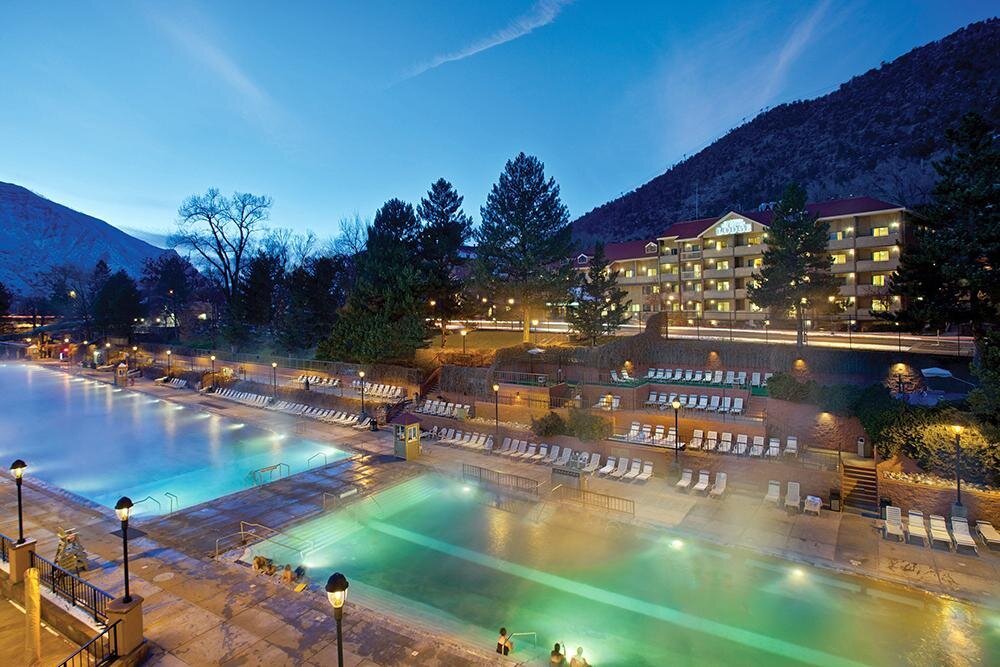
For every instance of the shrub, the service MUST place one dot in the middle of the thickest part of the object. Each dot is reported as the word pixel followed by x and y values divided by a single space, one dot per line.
pixel 550 424
pixel 588 427
pixel 785 387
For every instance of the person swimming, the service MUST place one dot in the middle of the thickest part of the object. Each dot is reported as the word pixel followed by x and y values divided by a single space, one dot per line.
pixel 504 644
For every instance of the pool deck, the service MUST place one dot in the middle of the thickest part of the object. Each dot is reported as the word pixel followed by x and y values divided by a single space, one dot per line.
pixel 200 610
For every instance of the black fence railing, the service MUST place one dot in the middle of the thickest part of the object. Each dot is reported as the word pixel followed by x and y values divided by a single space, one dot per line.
pixel 594 499
pixel 499 479
pixel 72 588
pixel 5 544
pixel 101 650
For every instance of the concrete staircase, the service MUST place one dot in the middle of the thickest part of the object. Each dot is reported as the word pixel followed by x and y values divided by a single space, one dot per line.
pixel 859 485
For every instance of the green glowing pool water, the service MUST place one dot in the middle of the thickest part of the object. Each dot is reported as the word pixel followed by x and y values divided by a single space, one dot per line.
pixel 454 558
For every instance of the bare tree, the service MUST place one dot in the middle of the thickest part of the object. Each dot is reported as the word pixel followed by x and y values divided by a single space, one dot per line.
pixel 220 231
pixel 353 236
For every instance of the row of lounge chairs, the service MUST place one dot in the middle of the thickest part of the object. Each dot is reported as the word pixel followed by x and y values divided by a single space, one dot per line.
pixel 469 440
pixel 253 400
pixel 330 416
pixel 638 471
pixel 646 434
pixel 624 378
pixel 793 497
pixel 716 403
pixel 742 444
pixel 176 383
pixel 716 490
pixel 916 529
pixel 379 390
pixel 441 408
pixel 319 381
pixel 690 376
pixel 608 402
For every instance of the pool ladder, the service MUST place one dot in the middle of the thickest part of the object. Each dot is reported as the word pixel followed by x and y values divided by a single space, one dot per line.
pixel 326 460
pixel 266 474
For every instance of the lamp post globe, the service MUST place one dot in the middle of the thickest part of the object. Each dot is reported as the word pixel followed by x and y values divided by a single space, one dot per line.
pixel 336 593
pixel 17 469
pixel 123 509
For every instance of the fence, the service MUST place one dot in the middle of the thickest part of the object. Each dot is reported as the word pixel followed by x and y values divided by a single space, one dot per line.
pixel 72 588
pixel 101 650
pixel 5 543
pixel 499 479
pixel 594 499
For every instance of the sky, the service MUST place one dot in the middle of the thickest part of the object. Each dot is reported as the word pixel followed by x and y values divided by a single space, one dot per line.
pixel 123 109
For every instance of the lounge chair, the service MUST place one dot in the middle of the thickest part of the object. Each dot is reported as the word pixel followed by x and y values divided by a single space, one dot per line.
pixel 543 451
pixel 812 505
pixel 712 441
pixel 741 378
pixel 633 432
pixel 702 485
pixel 893 524
pixel 684 482
pixel 773 449
pixel 792 500
pixel 773 494
pixel 702 403
pixel 719 488
pixel 741 444
pixel 634 471
pixel 609 466
pixel 688 375
pixel 504 447
pixel 652 398
pixel 646 435
pixel 529 453
pixel 755 380
pixel 792 446
pixel 717 377
pixel 988 533
pixel 658 435
pixel 662 402
pixel 651 373
pixel 696 439
pixel 622 468
pixel 697 376
pixel 727 404
pixel 647 472
pixel 737 408
pixel 730 377
pixel 564 459
pixel 916 528
pixel 713 404
pixel 553 455
pixel 962 536
pixel 595 463
pixel 939 531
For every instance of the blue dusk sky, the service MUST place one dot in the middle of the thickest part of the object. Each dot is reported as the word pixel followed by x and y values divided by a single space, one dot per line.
pixel 122 109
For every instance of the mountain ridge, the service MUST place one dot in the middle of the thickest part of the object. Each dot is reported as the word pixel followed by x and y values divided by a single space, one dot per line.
pixel 876 134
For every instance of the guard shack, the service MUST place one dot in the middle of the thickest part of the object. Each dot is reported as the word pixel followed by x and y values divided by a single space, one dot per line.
pixel 121 375
pixel 406 436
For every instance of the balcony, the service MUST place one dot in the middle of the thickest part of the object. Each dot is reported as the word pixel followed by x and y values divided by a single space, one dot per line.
pixel 740 293
pixel 722 295
pixel 717 273
pixel 718 252
pixel 846 267
pixel 668 277
pixel 748 250
pixel 690 255
pixel 870 265
pixel 878 241
pixel 842 244
pixel 873 290
pixel 743 271
pixel 668 259
pixel 690 275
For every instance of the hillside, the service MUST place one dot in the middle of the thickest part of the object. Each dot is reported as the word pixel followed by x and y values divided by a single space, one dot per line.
pixel 37 234
pixel 875 135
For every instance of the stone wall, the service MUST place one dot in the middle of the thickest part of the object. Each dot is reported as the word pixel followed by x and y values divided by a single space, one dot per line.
pixel 812 426
pixel 981 505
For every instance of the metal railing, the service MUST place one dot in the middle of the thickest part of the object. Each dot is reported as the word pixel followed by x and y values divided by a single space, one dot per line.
pixel 267 474
pixel 326 460
pixel 500 479
pixel 175 502
pixel 101 650
pixel 72 588
pixel 5 544
pixel 594 499
pixel 519 377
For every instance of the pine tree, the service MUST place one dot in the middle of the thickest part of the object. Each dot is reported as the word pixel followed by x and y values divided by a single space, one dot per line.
pixel 446 229
pixel 118 305
pixel 949 273
pixel 6 303
pixel 796 269
pixel 524 242
pixel 600 307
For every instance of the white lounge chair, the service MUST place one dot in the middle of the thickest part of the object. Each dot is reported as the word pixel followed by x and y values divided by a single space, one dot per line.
pixel 893 524
pixel 988 533
pixel 737 408
pixel 647 472
pixel 719 488
pixel 939 531
pixel 553 455
pixel 684 482
pixel 713 404
pixel 712 441
pixel 792 500
pixel 543 451
pixel 773 449
pixel 595 463
pixel 962 536
pixel 696 439
pixel 755 380
pixel 564 459
pixel 792 446
pixel 634 471
pixel 773 494
pixel 622 468
pixel 916 528
pixel 702 485
pixel 608 468
pixel 740 448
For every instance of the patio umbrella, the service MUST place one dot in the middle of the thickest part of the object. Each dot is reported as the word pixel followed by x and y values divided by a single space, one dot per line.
pixel 531 363
pixel 935 372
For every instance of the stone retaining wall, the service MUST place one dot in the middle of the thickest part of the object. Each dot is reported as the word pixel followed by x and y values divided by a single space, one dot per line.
pixel 981 505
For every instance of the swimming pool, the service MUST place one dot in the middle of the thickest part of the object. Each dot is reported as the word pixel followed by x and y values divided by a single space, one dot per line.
pixel 102 443
pixel 456 558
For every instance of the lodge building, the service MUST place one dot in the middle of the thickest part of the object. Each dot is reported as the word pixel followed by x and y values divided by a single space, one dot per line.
pixel 699 270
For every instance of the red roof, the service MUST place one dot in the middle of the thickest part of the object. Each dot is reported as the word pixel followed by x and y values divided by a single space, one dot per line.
pixel 616 252
pixel 688 229
pixel 405 418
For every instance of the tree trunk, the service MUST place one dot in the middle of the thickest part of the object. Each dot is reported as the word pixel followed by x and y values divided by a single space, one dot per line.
pixel 526 325
pixel 800 328
pixel 443 331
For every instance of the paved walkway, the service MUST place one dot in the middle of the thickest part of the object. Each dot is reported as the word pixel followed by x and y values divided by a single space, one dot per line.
pixel 199 610
pixel 55 647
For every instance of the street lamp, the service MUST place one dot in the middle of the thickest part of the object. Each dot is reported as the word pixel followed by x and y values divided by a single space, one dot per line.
pixel 676 405
pixel 336 593
pixel 464 333
pixel 213 371
pixel 274 378
pixel 534 323
pixel 850 334
pixel 17 470
pixel 169 364
pixel 899 338
pixel 767 323
pixel 123 508
pixel 496 411
pixel 361 374
pixel 958 465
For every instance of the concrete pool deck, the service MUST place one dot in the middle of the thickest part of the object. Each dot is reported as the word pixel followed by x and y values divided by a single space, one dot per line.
pixel 201 610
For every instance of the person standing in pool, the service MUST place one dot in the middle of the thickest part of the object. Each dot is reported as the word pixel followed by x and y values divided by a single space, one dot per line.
pixel 557 657
pixel 578 659
pixel 504 644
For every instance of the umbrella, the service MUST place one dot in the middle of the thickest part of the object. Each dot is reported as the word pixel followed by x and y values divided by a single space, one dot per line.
pixel 536 350
pixel 935 373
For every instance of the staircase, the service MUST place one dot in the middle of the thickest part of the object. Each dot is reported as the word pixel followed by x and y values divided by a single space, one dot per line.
pixel 859 486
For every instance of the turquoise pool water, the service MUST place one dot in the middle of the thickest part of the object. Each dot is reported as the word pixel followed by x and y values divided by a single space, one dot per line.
pixel 458 559
pixel 102 443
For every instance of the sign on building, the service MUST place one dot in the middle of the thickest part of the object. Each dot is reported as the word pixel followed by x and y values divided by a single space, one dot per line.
pixel 733 226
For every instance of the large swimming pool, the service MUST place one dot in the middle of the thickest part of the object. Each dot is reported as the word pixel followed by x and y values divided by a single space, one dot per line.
pixel 103 443
pixel 457 558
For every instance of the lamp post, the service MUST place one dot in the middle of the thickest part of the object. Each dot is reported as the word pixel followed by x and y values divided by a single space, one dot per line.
pixel 213 371
pixel 123 508
pixel 850 334
pixel 767 323
pixel 336 593
pixel 676 405
pixel 496 411
pixel 958 464
pixel 169 361
pixel 534 323
pixel 361 374
pixel 17 470
pixel 435 311
pixel 274 378
pixel 464 333
pixel 899 338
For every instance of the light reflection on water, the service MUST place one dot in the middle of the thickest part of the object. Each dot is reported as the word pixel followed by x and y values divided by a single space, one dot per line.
pixel 102 443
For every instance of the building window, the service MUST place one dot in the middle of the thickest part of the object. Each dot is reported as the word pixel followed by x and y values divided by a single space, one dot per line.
pixel 880 256
pixel 722 265
pixel 878 279
pixel 757 262
pixel 628 273
pixel 651 272
pixel 723 286
pixel 650 248
pixel 723 306
pixel 582 259
pixel 880 231
pixel 880 305
pixel 839 235
pixel 755 239
pixel 635 307
pixel 839 258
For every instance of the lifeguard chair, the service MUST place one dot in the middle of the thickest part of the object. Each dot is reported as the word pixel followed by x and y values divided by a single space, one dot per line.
pixel 406 436
pixel 121 375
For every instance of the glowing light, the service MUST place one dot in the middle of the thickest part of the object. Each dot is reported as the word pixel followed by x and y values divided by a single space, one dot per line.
pixel 798 573
pixel 676 545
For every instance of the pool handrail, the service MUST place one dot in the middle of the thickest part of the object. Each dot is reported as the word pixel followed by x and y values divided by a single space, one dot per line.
pixel 159 505
pixel 326 460
pixel 174 500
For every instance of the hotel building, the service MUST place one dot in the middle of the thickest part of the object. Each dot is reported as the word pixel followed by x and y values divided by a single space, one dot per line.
pixel 699 270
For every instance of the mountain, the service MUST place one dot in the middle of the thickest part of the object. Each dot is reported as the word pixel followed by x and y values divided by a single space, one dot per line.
pixel 37 234
pixel 875 135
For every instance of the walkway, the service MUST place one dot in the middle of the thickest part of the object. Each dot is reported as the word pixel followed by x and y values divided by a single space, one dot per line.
pixel 55 647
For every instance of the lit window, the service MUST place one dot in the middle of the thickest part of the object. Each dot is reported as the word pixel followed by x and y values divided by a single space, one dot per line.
pixel 880 231
pixel 722 307
pixel 722 265
pixel 837 236
pixel 878 279
pixel 635 307
pixel 880 256
pixel 879 305
pixel 723 286
pixel 839 258
pixel 651 272
pixel 629 273
pixel 757 262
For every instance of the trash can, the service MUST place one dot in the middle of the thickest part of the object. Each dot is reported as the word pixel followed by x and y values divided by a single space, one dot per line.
pixel 864 451
pixel 835 500
pixel 882 504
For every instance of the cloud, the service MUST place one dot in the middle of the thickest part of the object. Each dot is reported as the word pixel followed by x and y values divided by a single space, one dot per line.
pixel 541 14
pixel 793 47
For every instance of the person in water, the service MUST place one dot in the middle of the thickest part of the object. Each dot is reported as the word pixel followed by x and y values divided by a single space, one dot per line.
pixel 578 659
pixel 556 657
pixel 504 644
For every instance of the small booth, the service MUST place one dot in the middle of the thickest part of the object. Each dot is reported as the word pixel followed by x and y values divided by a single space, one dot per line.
pixel 121 375
pixel 406 436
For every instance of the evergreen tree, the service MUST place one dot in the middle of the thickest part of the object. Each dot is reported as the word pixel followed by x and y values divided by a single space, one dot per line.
pixel 314 291
pixel 949 273
pixel 524 241
pixel 985 399
pixel 170 284
pixel 6 303
pixel 796 268
pixel 118 305
pixel 446 229
pixel 600 307
pixel 261 286
pixel 385 315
